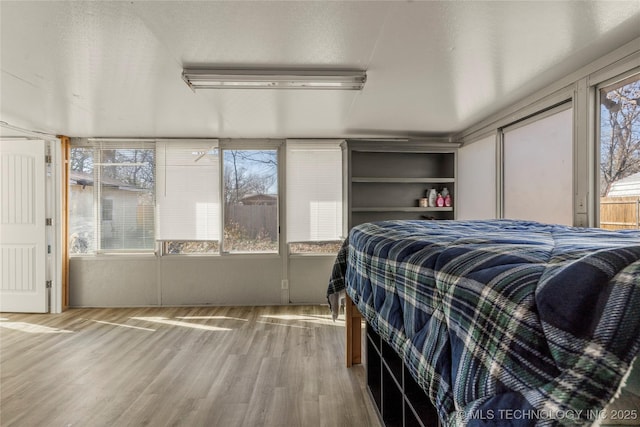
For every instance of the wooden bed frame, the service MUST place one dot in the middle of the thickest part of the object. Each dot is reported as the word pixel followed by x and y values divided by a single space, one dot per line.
pixel 353 326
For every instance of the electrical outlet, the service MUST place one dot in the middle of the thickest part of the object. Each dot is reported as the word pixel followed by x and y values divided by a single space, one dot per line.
pixel 582 205
pixel 285 284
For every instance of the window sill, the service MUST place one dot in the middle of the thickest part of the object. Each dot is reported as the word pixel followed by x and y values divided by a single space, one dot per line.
pixel 223 255
pixel 316 254
pixel 122 255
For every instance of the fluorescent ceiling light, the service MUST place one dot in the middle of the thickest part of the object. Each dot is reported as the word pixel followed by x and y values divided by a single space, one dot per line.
pixel 274 79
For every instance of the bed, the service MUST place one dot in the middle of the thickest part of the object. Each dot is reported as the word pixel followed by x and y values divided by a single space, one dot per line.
pixel 501 322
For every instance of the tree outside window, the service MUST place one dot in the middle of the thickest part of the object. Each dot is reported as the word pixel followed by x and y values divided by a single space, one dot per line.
pixel 250 201
pixel 620 154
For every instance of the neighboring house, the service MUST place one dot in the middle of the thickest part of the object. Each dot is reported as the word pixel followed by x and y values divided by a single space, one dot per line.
pixel 126 212
pixel 629 186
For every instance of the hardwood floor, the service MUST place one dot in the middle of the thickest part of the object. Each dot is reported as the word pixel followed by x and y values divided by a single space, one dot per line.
pixel 212 366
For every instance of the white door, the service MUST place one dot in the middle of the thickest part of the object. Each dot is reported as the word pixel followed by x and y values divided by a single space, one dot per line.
pixel 22 227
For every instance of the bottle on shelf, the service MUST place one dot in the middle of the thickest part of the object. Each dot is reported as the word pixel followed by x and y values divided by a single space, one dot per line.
pixel 447 200
pixel 440 201
pixel 432 195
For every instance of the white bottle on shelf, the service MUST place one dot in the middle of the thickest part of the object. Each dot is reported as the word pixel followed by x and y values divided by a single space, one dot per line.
pixel 432 196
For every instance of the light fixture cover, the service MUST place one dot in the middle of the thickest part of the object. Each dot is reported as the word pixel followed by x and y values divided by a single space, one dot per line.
pixel 274 79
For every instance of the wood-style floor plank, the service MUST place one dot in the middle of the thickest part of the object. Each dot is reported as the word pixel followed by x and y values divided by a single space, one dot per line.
pixel 180 366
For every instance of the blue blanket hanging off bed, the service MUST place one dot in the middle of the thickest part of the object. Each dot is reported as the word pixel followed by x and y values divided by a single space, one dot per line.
pixel 493 317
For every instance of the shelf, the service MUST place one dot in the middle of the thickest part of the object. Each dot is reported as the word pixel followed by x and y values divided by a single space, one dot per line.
pixel 404 180
pixel 397 396
pixel 402 164
pixel 417 401
pixel 392 408
pixel 386 181
pixel 374 366
pixel 374 373
pixel 392 363
pixel 401 209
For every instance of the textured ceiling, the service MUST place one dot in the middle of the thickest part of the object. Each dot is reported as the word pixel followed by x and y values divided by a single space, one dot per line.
pixel 111 68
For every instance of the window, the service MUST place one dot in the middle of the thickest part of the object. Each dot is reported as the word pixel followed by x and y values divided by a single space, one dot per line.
pixel 81 213
pixel 476 180
pixel 107 210
pixel 111 198
pixel 538 167
pixel 188 196
pixel 619 148
pixel 201 197
pixel 314 196
pixel 250 194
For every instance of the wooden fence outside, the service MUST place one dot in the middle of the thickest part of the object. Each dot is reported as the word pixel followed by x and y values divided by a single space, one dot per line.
pixel 254 220
pixel 617 213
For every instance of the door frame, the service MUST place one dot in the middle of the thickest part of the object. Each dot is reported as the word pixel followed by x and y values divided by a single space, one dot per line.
pixel 58 202
pixel 54 203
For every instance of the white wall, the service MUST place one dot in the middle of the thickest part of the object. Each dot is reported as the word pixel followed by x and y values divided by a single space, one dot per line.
pixel 309 278
pixel 147 280
pixel 113 281
pixel 224 280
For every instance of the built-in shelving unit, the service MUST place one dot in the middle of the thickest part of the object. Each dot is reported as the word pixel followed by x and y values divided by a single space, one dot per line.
pixel 399 399
pixel 386 179
pixel 401 209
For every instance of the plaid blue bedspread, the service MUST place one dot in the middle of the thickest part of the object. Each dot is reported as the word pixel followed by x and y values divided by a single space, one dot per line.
pixel 501 322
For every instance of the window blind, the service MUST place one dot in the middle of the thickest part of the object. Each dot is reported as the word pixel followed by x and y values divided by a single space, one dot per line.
pixel 125 182
pixel 314 190
pixel 538 168
pixel 476 180
pixel 188 190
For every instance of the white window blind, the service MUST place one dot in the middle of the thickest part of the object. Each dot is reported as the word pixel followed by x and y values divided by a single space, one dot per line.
pixel 538 168
pixel 125 195
pixel 476 180
pixel 314 190
pixel 188 190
